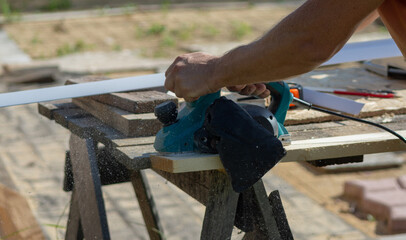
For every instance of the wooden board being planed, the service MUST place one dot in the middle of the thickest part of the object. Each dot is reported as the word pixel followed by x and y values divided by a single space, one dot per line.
pixel 133 102
pixel 303 150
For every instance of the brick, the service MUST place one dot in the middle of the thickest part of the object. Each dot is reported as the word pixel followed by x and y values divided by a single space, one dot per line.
pixel 379 204
pixel 402 181
pixel 397 220
pixel 355 190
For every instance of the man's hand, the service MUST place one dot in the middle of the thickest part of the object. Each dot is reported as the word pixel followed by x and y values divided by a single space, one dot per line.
pixel 257 89
pixel 192 75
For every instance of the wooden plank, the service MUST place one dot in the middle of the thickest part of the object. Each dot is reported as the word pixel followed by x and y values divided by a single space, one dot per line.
pixel 399 62
pixel 135 157
pixel 343 128
pixel 78 121
pixel 47 109
pixel 133 141
pixel 147 205
pixel 29 74
pixel 350 78
pixel 131 125
pixel 133 102
pixel 183 162
pixel 63 116
pixel 88 188
pixel 16 218
pixel 195 184
pixel 372 107
pixel 132 152
pixel 303 150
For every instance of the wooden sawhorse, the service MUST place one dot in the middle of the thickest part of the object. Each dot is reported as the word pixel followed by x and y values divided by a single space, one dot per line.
pixel 125 159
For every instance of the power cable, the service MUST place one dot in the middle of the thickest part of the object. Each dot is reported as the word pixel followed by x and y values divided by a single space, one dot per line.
pixel 310 106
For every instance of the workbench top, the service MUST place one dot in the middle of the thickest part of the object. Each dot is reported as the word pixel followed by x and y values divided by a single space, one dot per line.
pixel 314 135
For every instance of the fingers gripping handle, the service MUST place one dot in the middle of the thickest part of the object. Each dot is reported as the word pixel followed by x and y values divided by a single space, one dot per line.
pixel 281 98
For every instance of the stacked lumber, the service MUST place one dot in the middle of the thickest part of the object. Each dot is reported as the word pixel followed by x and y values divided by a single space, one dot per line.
pixel 29 73
pixel 131 113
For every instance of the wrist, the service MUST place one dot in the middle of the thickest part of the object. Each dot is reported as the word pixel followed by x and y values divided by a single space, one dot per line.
pixel 230 68
pixel 217 79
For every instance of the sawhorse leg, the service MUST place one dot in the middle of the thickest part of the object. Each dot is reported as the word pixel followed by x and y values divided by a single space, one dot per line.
pixel 147 205
pixel 87 194
pixel 90 205
pixel 74 227
pixel 221 205
pixel 269 216
pixel 213 189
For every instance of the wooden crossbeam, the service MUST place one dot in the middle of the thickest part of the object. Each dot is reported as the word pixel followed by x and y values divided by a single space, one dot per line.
pixel 304 150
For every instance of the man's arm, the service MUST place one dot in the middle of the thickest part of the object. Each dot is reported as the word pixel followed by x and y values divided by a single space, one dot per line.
pixel 299 43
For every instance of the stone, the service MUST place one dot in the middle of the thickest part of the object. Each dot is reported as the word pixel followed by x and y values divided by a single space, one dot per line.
pixel 356 190
pixel 379 204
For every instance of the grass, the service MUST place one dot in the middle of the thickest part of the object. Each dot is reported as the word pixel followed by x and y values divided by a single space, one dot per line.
pixel 210 31
pixel 167 41
pixel 169 34
pixel 129 9
pixel 240 29
pixel 35 40
pixel 78 46
pixel 116 47
pixel 156 29
pixel 184 31
pixel 57 5
pixel 8 13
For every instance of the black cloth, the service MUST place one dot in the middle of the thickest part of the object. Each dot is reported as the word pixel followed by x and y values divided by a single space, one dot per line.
pixel 247 150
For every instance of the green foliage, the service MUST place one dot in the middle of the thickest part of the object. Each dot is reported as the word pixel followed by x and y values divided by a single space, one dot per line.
pixel 167 41
pixel 35 40
pixel 184 32
pixel 8 14
pixel 57 5
pixel 129 9
pixel 240 29
pixel 5 8
pixel 165 5
pixel 210 31
pixel 78 46
pixel 117 47
pixel 156 29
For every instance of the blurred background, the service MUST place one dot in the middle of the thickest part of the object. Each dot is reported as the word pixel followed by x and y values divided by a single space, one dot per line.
pixel 45 42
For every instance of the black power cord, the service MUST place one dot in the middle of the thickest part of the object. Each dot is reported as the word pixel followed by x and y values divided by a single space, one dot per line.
pixel 310 106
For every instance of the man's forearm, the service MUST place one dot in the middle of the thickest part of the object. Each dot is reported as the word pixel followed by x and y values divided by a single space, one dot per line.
pixel 298 44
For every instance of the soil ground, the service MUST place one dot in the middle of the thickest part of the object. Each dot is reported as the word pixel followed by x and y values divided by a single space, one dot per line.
pixel 160 33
